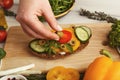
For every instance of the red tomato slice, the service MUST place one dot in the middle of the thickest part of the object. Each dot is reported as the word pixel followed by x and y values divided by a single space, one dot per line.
pixel 65 37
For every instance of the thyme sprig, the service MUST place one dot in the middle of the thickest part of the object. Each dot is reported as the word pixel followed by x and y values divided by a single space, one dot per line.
pixel 101 16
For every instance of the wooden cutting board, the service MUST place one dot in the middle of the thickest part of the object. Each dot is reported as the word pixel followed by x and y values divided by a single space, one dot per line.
pixel 18 53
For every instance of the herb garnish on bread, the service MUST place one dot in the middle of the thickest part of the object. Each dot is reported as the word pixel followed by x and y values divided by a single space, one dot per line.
pixel 71 40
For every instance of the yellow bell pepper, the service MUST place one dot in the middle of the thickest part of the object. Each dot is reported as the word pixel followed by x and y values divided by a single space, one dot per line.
pixel 62 73
pixel 3 22
pixel 103 68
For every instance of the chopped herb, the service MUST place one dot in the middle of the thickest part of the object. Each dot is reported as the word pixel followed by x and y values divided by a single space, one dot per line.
pixel 51 45
pixel 60 6
pixel 68 46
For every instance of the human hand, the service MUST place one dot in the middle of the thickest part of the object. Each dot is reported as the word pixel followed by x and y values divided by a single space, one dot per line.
pixel 28 13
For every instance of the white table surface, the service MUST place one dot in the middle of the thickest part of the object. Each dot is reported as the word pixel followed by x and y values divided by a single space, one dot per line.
pixel 110 7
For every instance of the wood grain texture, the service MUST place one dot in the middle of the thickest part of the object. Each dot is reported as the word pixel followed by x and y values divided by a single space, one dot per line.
pixel 18 53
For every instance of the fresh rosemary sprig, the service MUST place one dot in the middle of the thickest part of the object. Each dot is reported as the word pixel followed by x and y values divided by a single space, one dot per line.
pixel 101 16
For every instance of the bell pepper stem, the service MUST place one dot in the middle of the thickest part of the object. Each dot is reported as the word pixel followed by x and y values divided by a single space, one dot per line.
pixel 106 53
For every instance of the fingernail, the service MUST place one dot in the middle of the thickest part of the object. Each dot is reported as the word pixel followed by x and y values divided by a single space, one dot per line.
pixel 57 39
pixel 59 28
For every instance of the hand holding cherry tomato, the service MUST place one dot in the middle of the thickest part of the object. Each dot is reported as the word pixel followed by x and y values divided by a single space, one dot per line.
pixel 7 4
pixel 65 36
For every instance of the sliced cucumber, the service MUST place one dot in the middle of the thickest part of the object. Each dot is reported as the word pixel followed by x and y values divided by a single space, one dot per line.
pixel 82 34
pixel 36 46
pixel 88 30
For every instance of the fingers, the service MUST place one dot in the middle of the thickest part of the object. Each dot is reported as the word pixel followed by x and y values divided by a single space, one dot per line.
pixel 50 18
pixel 30 32
pixel 36 28
pixel 27 16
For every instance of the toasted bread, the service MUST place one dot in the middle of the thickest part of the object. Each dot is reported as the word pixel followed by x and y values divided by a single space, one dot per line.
pixel 51 49
pixel 57 56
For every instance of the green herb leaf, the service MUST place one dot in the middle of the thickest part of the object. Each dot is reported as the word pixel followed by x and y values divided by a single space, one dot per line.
pixel 69 47
pixel 2 53
pixel 60 6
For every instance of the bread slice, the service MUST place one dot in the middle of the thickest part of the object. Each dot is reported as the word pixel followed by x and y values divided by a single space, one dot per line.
pixel 71 47
pixel 57 56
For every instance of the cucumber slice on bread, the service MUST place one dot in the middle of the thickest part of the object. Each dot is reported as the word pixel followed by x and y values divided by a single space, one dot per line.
pixel 88 30
pixel 37 46
pixel 51 49
pixel 83 33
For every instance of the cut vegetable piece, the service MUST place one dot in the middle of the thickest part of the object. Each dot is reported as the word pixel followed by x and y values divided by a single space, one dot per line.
pixel 88 30
pixel 81 34
pixel 36 46
pixel 74 42
pixel 65 36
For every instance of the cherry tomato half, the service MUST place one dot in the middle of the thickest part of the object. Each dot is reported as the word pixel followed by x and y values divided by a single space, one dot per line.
pixel 7 4
pixel 65 36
